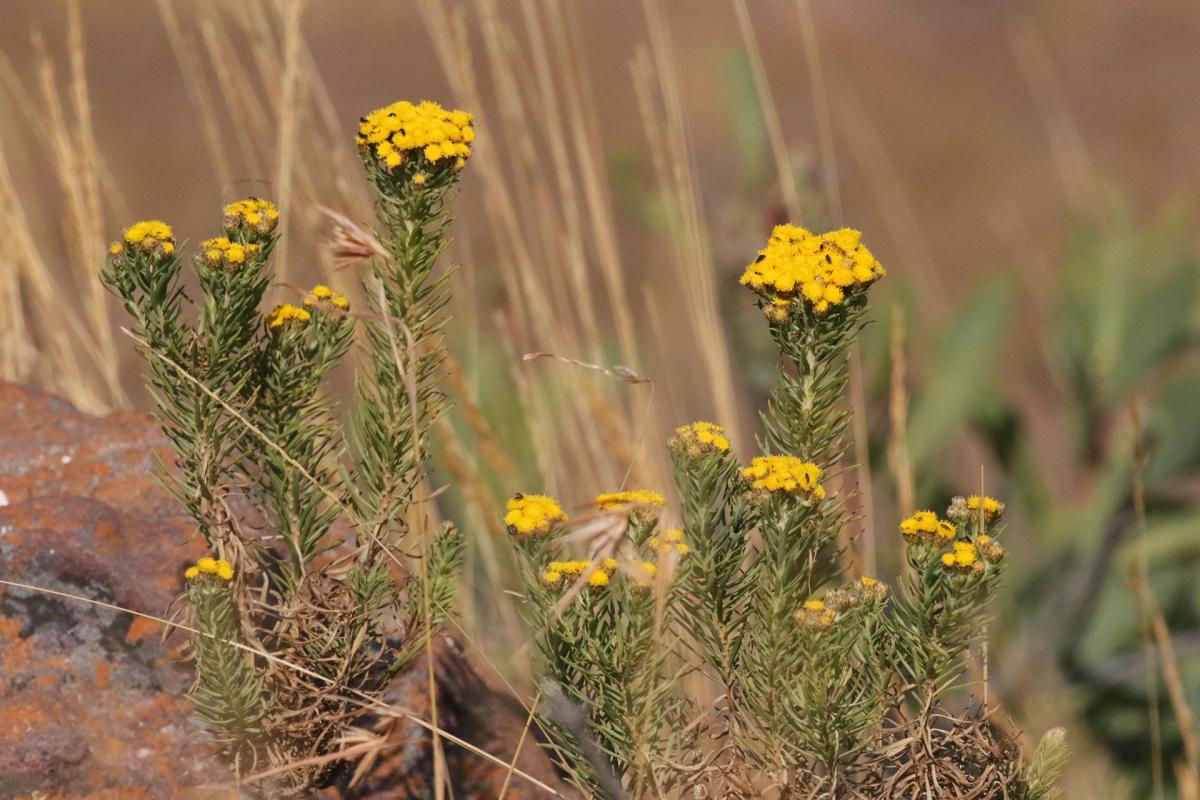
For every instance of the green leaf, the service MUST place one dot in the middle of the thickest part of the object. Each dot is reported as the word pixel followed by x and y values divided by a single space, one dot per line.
pixel 961 377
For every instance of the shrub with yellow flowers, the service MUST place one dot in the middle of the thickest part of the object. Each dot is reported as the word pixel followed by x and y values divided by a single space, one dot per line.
pixel 304 564
pixel 599 632
pixel 823 683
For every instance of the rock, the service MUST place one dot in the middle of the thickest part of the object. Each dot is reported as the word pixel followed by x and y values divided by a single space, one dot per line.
pixel 92 699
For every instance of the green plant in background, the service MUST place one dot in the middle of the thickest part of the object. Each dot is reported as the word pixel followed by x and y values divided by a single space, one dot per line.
pixel 298 624
pixel 830 692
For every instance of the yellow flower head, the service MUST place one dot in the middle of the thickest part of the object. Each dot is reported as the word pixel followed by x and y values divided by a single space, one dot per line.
pixel 287 315
pixel 615 500
pixel 556 571
pixel 973 510
pixel 321 294
pixel 224 570
pixel 207 564
pixel 191 573
pixel 963 558
pixel 153 237
pixel 115 249
pixel 779 309
pixel 533 514
pixel 251 216
pixel 221 252
pixel 784 474
pixel 820 269
pixel 671 540
pixel 925 526
pixel 991 507
pixel 396 134
pixel 643 504
pixel 816 616
pixel 699 439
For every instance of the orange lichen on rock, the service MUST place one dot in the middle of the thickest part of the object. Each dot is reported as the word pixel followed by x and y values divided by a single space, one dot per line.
pixel 140 628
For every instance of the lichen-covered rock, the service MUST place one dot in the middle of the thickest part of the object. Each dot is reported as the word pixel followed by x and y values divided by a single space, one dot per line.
pixel 92 699
pixel 91 703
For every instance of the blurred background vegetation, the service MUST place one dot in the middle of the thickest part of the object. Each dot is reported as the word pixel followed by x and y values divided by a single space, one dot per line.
pixel 1025 170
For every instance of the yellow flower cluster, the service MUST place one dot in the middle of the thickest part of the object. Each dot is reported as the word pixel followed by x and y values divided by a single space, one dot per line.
pixel 970 511
pixel 963 558
pixel 816 616
pixel 992 507
pixel 210 566
pixel 602 572
pixel 699 438
pixel 224 253
pixel 286 314
pixel 323 294
pixel 533 514
pixel 924 526
pixel 252 215
pixel 396 131
pixel 820 268
pixel 671 540
pixel 149 236
pixel 784 474
pixel 612 501
pixel 863 590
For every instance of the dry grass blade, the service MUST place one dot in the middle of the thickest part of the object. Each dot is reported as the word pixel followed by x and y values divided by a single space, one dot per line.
pixel 621 373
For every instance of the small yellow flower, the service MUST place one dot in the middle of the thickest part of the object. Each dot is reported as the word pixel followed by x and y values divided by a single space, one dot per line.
pixel 925 526
pixel 151 236
pixel 699 438
pixel 643 505
pixel 207 564
pixel 556 571
pixel 224 570
pixel 991 507
pixel 784 474
pixel 533 514
pixel 252 216
pixel 671 540
pixel 321 294
pixel 285 315
pixel 191 573
pixel 115 249
pixel 419 179
pixel 225 253
pixel 615 500
pixel 816 616
pixel 963 558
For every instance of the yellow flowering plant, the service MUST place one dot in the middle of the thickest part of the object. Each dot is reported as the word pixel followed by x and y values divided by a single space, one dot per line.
pixel 325 561
pixel 601 637
pixel 823 683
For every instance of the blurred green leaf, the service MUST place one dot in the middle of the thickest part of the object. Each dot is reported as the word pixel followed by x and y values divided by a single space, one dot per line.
pixel 1128 301
pixel 745 116
pixel 960 380
pixel 1173 429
